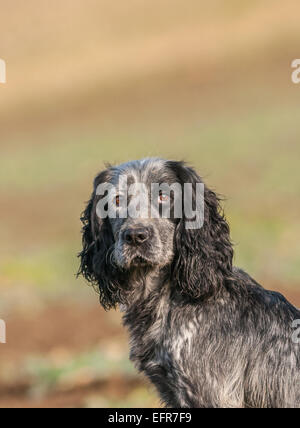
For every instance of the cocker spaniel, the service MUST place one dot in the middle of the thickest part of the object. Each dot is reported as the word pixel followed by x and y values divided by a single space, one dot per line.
pixel 204 332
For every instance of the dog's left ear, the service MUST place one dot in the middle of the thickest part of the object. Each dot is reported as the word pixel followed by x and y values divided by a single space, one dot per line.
pixel 203 256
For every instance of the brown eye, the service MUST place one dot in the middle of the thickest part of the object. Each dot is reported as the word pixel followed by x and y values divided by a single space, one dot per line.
pixel 117 200
pixel 163 197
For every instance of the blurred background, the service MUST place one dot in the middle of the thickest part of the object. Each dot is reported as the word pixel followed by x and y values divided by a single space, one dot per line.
pixel 94 81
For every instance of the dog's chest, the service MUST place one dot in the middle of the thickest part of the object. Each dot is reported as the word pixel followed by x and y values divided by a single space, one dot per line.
pixel 150 341
pixel 152 351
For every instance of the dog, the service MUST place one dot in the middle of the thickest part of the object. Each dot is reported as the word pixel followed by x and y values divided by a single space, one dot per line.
pixel 203 331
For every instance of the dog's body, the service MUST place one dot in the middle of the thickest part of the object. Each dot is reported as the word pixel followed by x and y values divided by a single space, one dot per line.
pixel 234 351
pixel 204 332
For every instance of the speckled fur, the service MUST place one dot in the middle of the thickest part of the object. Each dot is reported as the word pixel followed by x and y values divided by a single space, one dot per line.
pixel 204 332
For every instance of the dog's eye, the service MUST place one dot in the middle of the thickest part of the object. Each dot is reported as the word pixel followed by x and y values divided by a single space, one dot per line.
pixel 163 197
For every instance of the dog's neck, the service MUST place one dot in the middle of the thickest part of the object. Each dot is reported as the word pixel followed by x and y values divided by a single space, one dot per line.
pixel 146 312
pixel 144 287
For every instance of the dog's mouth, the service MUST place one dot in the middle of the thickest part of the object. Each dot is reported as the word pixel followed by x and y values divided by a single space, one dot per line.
pixel 140 261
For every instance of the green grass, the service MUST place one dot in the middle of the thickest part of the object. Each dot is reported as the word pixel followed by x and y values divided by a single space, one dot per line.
pixel 47 373
pixel 265 141
pixel 42 268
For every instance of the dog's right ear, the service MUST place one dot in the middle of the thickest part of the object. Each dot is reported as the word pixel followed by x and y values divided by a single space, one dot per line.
pixel 90 232
pixel 97 244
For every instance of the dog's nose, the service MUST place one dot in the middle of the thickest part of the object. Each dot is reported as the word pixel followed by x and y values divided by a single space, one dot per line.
pixel 136 236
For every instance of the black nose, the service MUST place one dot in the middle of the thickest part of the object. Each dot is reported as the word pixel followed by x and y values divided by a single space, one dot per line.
pixel 136 236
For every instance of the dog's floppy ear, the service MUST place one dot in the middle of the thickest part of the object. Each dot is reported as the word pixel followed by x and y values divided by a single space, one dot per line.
pixel 203 256
pixel 97 242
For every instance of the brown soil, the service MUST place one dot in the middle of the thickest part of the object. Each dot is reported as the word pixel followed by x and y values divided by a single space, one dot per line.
pixel 18 396
pixel 57 329
pixel 71 327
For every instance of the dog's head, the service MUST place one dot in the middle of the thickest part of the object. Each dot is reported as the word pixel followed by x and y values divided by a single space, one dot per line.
pixel 136 221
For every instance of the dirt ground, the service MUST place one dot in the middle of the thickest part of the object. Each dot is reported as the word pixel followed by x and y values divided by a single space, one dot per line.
pixel 67 328
pixel 58 330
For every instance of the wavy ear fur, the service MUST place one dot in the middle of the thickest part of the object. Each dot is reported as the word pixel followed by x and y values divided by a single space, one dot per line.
pixel 203 257
pixel 97 242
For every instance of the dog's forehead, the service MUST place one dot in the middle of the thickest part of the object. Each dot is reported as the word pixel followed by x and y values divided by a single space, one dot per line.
pixel 145 171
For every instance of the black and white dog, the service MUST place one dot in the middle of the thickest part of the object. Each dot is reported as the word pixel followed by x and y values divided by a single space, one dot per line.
pixel 204 332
